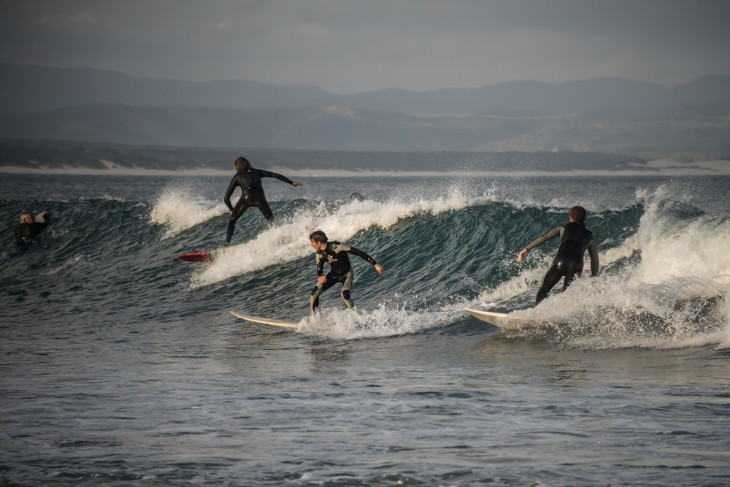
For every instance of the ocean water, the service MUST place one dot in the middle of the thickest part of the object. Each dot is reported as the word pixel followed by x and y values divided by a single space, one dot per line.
pixel 121 365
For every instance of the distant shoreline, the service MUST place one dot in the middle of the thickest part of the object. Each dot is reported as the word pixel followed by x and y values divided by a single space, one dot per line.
pixel 652 168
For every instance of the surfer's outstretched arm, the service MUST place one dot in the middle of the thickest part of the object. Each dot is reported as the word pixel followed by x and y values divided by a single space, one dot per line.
pixel 378 267
pixel 555 232
pixel 280 177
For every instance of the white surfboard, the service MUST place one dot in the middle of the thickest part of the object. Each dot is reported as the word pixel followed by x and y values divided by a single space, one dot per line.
pixel 506 321
pixel 265 321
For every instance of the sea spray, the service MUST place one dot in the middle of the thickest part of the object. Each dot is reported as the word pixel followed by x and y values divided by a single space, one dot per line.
pixel 178 208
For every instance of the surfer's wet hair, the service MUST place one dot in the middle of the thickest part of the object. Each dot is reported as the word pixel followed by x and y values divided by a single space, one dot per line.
pixel 578 213
pixel 318 236
pixel 242 163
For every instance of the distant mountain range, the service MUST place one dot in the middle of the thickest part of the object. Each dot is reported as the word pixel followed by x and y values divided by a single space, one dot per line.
pixel 604 115
pixel 26 88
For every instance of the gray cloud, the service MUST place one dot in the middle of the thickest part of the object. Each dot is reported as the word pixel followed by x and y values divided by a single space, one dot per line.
pixel 351 46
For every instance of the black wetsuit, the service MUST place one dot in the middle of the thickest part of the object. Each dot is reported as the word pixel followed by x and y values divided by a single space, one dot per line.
pixel 340 271
pixel 252 194
pixel 575 239
pixel 27 233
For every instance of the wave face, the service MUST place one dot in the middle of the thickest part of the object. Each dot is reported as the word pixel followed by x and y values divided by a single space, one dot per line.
pixel 445 243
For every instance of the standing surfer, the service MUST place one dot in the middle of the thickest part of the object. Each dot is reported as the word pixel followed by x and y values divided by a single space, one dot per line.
pixel 340 268
pixel 252 193
pixel 30 227
pixel 575 239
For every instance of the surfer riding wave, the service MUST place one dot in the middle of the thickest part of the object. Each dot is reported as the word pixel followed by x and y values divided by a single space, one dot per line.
pixel 575 239
pixel 340 268
pixel 252 193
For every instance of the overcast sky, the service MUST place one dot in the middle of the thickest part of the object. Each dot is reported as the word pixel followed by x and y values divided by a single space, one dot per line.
pixel 353 46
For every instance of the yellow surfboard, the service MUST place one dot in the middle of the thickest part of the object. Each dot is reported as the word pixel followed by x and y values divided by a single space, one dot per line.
pixel 265 321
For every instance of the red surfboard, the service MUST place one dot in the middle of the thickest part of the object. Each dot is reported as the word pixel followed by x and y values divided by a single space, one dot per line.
pixel 203 256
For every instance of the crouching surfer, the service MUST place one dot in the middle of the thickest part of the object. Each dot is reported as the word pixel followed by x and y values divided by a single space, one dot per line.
pixel 575 239
pixel 30 227
pixel 340 268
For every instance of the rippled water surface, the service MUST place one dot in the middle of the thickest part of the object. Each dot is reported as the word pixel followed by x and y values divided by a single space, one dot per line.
pixel 121 364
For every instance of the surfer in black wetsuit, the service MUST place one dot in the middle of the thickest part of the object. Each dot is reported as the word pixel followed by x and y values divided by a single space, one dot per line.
pixel 340 268
pixel 30 227
pixel 575 239
pixel 252 193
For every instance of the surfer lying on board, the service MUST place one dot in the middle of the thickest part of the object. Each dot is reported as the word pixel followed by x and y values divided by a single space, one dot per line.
pixel 30 227
pixel 340 268
pixel 575 239
pixel 252 193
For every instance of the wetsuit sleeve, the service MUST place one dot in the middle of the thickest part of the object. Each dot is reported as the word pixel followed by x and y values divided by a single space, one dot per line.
pixel 269 174
pixel 361 254
pixel 593 252
pixel 555 232
pixel 229 192
pixel 320 263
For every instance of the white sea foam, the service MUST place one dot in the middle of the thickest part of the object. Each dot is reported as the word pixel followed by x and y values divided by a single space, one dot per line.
pixel 343 324
pixel 178 208
pixel 288 241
